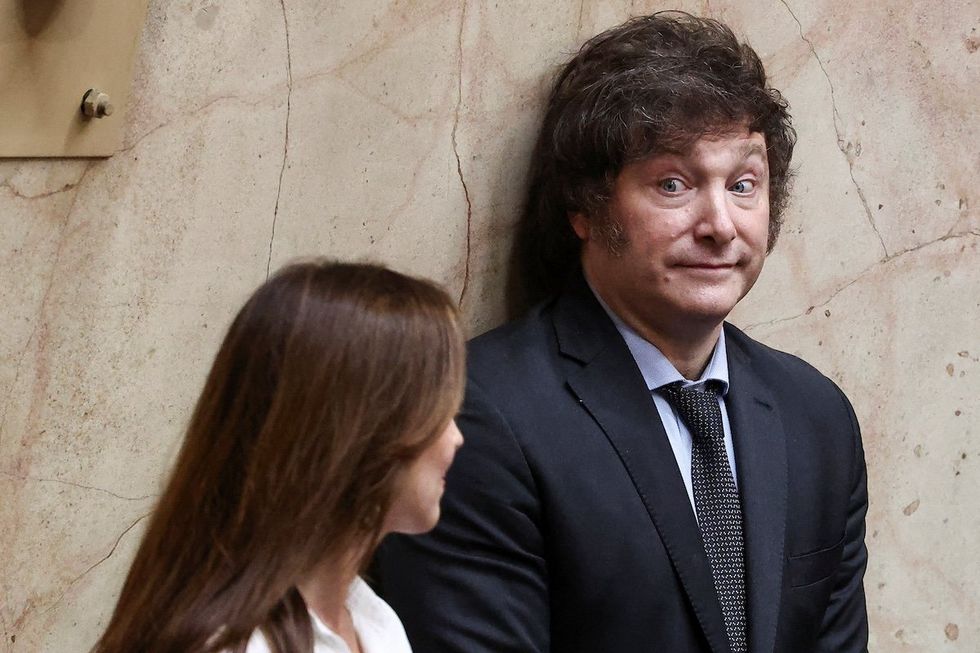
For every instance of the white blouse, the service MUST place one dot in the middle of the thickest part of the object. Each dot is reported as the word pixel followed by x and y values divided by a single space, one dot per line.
pixel 379 630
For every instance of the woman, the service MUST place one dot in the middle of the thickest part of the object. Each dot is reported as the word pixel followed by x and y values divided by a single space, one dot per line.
pixel 325 423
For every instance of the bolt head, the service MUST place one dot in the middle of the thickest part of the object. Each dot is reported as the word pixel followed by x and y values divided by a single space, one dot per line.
pixel 96 104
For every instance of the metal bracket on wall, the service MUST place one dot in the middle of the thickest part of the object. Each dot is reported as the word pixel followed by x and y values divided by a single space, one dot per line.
pixel 50 53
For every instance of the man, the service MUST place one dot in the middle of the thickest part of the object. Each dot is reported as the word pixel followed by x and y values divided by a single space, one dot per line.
pixel 638 474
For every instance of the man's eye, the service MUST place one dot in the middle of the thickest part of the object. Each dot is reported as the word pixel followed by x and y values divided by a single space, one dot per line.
pixel 672 185
pixel 743 186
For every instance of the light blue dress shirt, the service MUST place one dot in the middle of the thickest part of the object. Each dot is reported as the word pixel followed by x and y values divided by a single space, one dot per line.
pixel 657 372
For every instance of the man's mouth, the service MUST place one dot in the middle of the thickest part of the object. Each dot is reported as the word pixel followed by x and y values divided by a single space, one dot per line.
pixel 707 265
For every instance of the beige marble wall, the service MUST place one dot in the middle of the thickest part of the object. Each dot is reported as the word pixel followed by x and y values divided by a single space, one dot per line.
pixel 399 131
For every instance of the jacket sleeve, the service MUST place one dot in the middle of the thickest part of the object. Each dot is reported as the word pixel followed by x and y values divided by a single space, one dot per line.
pixel 478 582
pixel 845 623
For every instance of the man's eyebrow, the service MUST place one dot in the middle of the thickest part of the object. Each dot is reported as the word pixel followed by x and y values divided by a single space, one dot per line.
pixel 750 149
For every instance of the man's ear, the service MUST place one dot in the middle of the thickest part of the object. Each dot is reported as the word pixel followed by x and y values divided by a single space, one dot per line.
pixel 580 225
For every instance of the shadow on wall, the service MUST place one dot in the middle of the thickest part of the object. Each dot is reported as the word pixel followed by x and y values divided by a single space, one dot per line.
pixel 37 15
pixel 52 20
pixel 544 250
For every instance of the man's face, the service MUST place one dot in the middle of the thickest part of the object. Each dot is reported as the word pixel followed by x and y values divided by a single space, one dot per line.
pixel 692 238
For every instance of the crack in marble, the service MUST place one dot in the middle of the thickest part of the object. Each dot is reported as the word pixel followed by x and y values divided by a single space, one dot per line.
pixel 25 196
pixel 841 142
pixel 138 303
pixel 183 117
pixel 407 22
pixel 459 162
pixel 270 93
pixel 863 273
pixel 285 146
pixel 82 575
pixel 38 324
pixel 266 95
pixel 414 119
pixel 35 479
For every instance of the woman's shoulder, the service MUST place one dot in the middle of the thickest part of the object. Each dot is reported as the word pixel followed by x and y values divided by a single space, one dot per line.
pixel 377 625
pixel 376 622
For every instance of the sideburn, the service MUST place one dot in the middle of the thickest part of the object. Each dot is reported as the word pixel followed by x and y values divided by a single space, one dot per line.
pixel 610 233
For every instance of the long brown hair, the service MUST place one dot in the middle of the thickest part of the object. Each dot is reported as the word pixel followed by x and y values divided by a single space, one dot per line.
pixel 331 378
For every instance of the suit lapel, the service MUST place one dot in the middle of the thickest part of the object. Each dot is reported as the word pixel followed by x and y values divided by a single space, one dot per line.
pixel 760 459
pixel 605 379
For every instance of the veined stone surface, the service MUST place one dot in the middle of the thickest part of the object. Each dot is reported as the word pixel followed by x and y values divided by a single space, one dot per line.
pixel 400 132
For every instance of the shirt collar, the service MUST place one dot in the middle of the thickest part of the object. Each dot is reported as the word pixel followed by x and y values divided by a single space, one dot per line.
pixel 359 605
pixel 657 371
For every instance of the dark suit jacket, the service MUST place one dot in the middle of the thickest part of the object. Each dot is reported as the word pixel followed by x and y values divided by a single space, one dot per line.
pixel 566 526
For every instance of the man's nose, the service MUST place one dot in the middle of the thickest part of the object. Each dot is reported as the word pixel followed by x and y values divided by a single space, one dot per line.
pixel 715 220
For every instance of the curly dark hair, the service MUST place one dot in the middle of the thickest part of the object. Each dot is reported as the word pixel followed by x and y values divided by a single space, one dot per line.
pixel 654 84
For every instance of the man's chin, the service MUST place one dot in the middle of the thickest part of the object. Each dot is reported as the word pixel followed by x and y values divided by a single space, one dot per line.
pixel 708 305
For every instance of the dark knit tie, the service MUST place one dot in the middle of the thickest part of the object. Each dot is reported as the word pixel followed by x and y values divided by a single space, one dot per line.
pixel 716 500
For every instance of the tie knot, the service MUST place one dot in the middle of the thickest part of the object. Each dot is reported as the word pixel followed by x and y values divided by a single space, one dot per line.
pixel 709 388
pixel 698 408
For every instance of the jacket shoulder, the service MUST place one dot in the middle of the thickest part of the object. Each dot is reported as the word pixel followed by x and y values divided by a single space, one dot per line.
pixel 783 370
pixel 513 348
